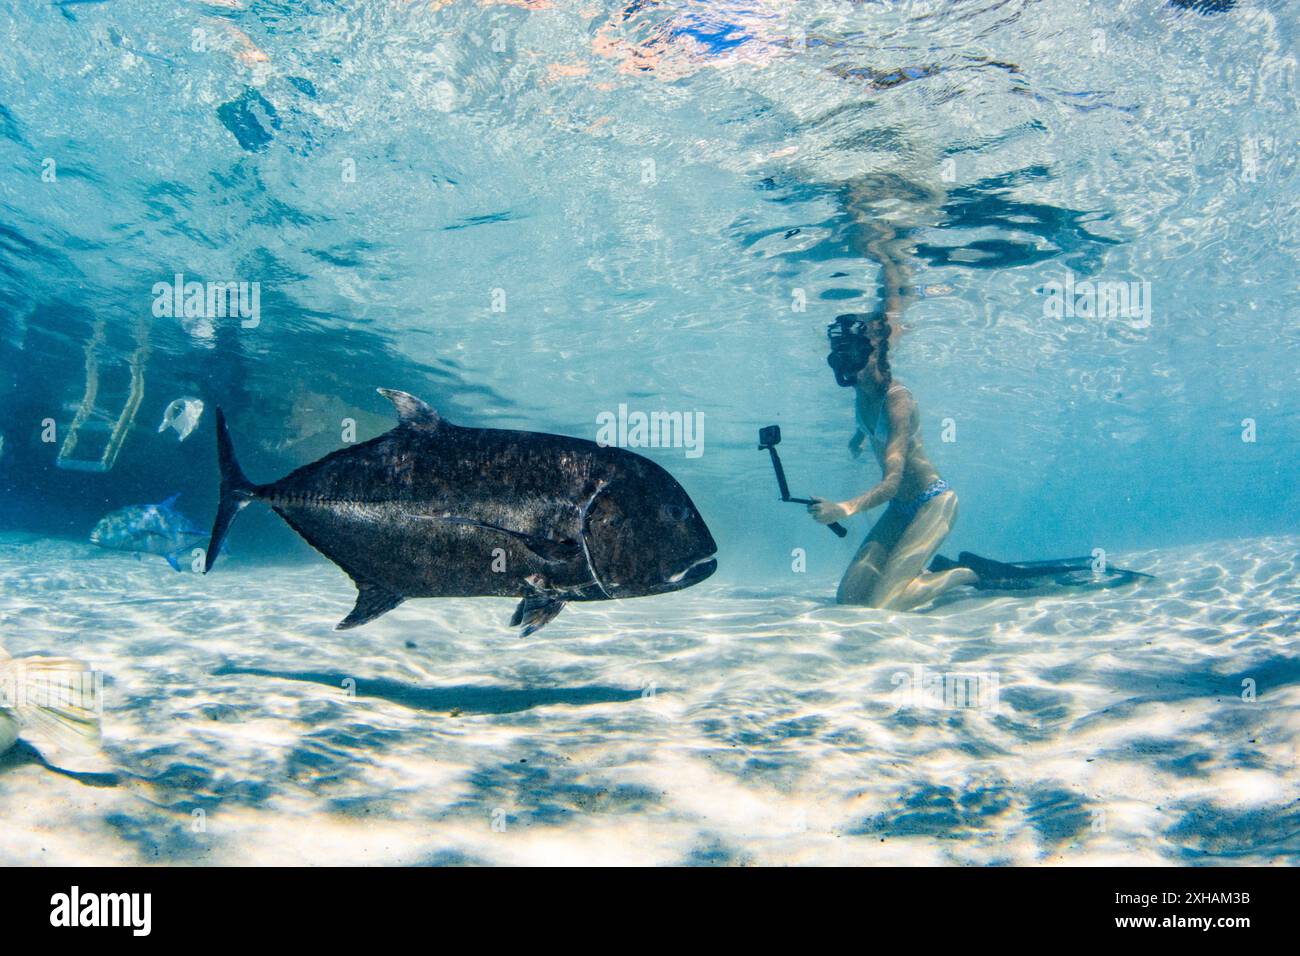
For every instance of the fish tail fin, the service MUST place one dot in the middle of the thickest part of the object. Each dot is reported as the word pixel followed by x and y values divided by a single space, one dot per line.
pixel 236 492
pixel 55 698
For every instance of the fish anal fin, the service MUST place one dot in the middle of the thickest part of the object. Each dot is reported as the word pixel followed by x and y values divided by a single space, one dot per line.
pixel 411 410
pixel 372 601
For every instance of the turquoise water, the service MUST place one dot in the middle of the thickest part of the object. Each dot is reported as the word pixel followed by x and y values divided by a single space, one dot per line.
pixel 532 213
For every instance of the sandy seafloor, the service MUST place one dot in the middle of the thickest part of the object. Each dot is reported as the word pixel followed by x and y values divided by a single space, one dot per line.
pixel 720 725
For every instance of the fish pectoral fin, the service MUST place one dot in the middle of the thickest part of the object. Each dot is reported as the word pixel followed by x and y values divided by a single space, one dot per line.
pixel 171 559
pixel 548 549
pixel 536 610
pixel 372 601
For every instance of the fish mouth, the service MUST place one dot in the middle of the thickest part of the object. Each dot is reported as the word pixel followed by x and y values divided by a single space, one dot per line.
pixel 693 573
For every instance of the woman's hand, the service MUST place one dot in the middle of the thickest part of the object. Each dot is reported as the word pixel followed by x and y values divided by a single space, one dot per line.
pixel 824 512
pixel 855 444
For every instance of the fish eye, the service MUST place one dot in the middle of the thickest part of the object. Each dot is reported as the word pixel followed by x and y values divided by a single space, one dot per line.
pixel 674 512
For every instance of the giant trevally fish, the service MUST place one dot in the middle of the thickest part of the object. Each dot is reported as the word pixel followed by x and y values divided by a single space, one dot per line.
pixel 149 529
pixel 432 509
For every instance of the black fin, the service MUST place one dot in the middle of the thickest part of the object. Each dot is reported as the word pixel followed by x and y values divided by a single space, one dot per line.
pixel 236 492
pixel 1023 575
pixel 548 549
pixel 372 601
pixel 1011 571
pixel 536 610
pixel 411 410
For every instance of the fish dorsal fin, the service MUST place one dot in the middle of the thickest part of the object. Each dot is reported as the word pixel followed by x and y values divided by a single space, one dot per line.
pixel 170 500
pixel 411 410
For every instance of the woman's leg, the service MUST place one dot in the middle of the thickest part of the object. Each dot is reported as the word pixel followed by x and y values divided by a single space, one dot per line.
pixel 904 583
pixel 866 567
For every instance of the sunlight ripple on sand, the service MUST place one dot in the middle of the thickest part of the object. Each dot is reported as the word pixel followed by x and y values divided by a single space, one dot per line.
pixel 723 725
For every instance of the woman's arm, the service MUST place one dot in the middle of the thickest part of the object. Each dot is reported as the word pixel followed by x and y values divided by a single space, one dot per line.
pixel 898 404
pixel 895 276
pixel 895 459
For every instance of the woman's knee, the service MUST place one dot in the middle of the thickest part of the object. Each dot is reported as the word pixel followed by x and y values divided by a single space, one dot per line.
pixel 889 599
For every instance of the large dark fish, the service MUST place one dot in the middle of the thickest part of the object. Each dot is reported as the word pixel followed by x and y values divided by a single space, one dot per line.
pixel 431 509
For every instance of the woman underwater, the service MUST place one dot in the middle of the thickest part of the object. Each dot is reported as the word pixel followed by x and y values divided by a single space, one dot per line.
pixel 888 571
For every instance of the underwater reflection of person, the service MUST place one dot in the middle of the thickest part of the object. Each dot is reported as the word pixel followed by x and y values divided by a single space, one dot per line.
pixel 888 571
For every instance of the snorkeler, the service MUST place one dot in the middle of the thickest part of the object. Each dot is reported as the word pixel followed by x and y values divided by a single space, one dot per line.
pixel 888 571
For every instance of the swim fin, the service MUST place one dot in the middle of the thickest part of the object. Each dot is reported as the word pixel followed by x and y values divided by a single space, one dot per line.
pixel 1024 575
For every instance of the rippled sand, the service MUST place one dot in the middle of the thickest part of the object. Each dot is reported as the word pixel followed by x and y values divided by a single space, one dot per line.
pixel 722 725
